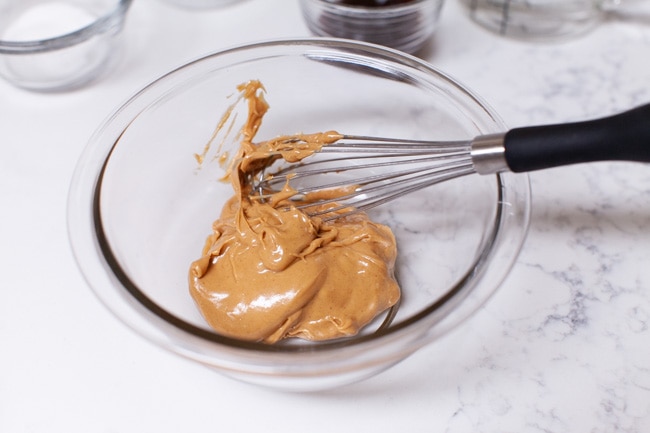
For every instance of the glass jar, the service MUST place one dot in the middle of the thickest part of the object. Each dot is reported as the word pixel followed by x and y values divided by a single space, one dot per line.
pixel 405 25
pixel 550 19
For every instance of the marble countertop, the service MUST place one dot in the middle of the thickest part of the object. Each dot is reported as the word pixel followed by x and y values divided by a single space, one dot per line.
pixel 564 346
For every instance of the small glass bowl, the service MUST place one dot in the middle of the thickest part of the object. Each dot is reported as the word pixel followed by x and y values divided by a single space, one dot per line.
pixel 140 208
pixel 58 45
pixel 404 25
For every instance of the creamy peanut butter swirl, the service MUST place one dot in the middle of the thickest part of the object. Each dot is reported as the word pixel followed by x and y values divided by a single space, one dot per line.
pixel 269 271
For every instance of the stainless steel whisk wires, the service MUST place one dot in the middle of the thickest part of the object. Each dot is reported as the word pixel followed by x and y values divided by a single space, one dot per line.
pixel 365 172
pixel 382 169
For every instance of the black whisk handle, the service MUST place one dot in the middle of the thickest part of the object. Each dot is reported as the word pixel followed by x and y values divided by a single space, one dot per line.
pixel 621 137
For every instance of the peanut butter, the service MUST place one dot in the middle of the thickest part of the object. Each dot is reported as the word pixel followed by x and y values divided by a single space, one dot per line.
pixel 269 271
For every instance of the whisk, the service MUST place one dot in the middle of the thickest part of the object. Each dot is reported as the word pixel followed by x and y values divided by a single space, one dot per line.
pixel 369 171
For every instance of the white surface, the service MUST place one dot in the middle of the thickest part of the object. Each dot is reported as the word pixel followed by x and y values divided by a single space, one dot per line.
pixel 564 346
pixel 47 21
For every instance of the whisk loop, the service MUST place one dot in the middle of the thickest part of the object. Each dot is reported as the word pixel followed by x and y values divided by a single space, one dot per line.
pixel 358 173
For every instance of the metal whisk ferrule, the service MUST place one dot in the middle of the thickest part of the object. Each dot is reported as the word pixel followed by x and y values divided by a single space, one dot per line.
pixel 488 154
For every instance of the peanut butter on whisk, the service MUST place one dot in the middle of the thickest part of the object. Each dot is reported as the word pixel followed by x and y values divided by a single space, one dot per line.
pixel 269 271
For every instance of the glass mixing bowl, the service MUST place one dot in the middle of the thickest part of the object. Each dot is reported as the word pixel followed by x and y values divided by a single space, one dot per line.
pixel 140 208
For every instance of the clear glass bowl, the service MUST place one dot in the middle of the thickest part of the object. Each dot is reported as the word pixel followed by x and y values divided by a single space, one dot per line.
pixel 405 26
pixel 48 45
pixel 140 210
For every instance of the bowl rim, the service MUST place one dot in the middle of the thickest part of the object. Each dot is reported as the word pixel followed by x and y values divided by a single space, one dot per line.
pixel 80 195
pixel 98 26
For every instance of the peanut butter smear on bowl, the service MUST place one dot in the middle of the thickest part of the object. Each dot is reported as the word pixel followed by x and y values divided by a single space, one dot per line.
pixel 269 271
